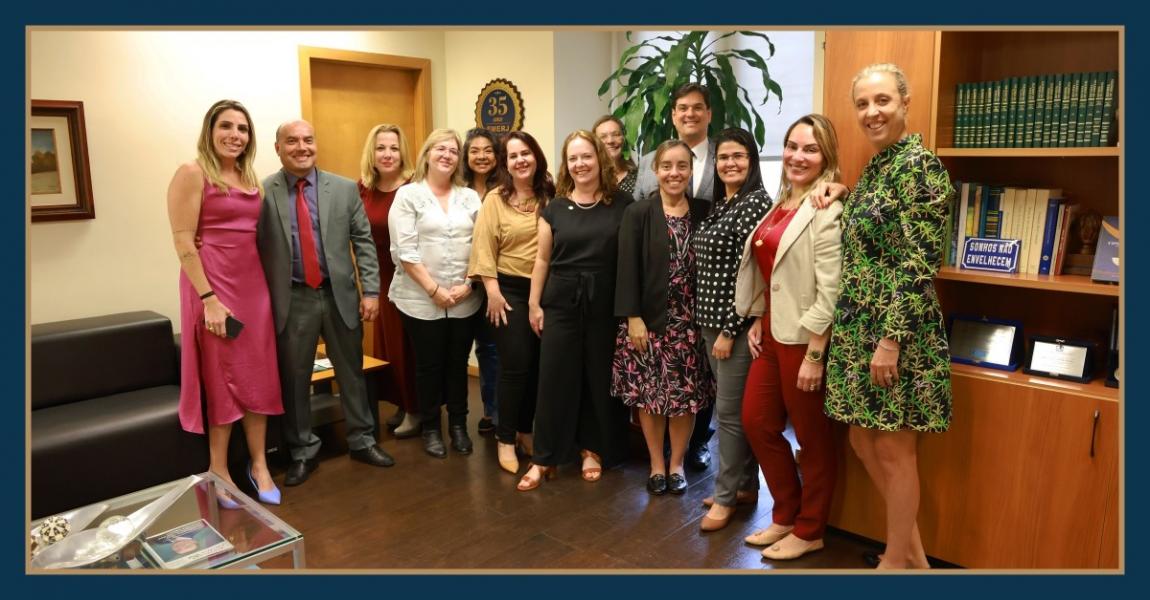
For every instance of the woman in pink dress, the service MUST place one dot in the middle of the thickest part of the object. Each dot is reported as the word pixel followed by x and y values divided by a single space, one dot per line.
pixel 214 203
pixel 386 165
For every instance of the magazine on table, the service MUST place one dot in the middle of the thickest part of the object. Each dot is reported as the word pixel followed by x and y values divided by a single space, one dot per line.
pixel 185 545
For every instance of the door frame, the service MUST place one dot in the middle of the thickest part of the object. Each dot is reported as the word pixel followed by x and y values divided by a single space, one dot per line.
pixel 309 55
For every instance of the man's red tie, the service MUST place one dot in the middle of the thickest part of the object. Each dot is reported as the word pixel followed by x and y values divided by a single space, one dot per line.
pixel 307 249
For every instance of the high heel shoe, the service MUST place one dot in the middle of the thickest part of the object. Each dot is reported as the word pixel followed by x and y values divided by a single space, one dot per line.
pixel 226 502
pixel 591 474
pixel 507 459
pixel 528 483
pixel 271 496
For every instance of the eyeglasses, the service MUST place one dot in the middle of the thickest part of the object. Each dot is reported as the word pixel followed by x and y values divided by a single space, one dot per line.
pixel 452 150
pixel 736 157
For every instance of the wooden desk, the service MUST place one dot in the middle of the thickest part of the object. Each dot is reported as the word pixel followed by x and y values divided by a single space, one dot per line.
pixel 325 403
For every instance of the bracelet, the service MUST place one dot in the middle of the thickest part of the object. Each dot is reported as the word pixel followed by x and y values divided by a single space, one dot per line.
pixel 207 294
pixel 432 294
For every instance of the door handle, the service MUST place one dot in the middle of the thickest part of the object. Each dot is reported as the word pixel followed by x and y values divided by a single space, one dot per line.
pixel 1094 433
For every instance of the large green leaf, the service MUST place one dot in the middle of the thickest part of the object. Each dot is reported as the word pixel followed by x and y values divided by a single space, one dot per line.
pixel 752 58
pixel 770 44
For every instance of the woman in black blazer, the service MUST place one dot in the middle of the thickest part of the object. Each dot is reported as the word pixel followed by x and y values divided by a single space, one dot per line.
pixel 659 364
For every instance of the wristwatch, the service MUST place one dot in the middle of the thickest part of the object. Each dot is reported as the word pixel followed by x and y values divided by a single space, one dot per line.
pixel 727 334
pixel 815 356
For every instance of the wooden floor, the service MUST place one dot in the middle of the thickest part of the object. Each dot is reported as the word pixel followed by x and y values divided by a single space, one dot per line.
pixel 465 513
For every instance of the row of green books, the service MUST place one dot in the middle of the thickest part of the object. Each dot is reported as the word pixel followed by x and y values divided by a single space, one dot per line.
pixel 1042 111
pixel 1039 217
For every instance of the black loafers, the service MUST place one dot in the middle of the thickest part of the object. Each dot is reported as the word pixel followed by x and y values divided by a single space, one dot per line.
pixel 299 470
pixel 460 441
pixel 699 458
pixel 373 455
pixel 433 443
pixel 676 483
pixel 657 484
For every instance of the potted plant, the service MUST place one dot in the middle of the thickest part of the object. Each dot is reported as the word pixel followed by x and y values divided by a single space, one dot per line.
pixel 646 83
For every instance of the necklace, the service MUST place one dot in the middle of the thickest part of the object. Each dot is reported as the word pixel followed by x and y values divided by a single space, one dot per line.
pixel 587 206
pixel 777 217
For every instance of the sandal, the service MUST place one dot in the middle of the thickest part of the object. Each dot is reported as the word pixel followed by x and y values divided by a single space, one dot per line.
pixel 528 483
pixel 591 474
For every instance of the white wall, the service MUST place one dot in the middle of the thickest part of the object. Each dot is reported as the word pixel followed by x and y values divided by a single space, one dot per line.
pixel 144 96
pixel 583 59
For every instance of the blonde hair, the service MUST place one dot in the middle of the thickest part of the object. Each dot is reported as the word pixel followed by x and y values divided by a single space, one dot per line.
pixel 607 184
pixel 899 77
pixel 367 171
pixel 206 150
pixel 439 135
pixel 824 132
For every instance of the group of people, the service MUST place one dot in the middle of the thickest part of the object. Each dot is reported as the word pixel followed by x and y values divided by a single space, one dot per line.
pixel 672 289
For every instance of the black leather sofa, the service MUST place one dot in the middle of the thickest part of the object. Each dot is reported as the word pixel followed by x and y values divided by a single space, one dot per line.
pixel 104 422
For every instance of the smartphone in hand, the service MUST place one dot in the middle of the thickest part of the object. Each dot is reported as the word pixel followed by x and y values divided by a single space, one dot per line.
pixel 233 327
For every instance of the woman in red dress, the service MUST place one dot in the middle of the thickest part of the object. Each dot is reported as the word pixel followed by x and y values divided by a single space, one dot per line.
pixel 384 167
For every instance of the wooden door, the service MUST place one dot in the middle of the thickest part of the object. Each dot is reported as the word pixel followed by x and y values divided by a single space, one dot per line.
pixel 848 51
pixel 345 94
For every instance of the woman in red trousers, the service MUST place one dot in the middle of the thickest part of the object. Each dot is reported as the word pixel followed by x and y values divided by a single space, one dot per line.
pixel 789 278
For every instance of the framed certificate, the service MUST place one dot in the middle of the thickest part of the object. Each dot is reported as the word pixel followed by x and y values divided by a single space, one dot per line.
pixel 1060 358
pixel 985 342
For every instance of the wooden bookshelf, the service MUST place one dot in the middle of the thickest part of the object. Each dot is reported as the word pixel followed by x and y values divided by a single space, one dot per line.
pixel 1095 389
pixel 1078 284
pixel 1028 474
pixel 1111 151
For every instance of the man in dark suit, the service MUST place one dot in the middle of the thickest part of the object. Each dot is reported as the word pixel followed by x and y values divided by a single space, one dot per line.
pixel 691 116
pixel 304 246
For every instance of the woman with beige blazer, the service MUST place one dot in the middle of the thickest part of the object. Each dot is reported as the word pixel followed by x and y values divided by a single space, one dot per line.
pixel 796 247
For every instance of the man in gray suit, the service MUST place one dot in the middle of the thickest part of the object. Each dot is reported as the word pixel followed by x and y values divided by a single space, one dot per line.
pixel 312 281
pixel 691 116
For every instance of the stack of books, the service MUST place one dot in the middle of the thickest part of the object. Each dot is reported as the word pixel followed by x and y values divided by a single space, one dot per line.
pixel 1040 111
pixel 1039 217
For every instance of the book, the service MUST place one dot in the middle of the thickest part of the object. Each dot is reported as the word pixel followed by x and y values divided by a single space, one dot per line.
pixel 1042 197
pixel 1064 236
pixel 321 364
pixel 185 545
pixel 1109 100
pixel 1039 111
pixel 1106 253
pixel 1049 229
pixel 965 192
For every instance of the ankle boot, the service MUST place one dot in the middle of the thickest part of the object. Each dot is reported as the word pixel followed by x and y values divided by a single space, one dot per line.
pixel 433 443
pixel 460 441
pixel 409 427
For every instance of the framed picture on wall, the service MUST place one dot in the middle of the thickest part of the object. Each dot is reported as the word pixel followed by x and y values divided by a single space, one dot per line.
pixel 61 181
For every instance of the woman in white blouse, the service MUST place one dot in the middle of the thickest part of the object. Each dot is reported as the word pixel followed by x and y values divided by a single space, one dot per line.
pixel 431 222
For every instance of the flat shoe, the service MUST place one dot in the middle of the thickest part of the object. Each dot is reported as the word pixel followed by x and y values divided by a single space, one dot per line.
pixel 766 537
pixel 791 547
pixel 486 425
pixel 709 524
pixel 657 484
pixel 394 420
pixel 676 484
pixel 507 459
pixel 742 497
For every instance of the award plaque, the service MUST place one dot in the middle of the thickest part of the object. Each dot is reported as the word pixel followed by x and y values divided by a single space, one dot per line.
pixel 985 342
pixel 1060 358
pixel 499 108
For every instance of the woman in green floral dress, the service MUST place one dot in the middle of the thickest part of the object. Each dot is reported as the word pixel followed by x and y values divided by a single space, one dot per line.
pixel 888 374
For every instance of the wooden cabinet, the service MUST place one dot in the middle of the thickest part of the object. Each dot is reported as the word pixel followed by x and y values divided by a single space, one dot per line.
pixel 1028 475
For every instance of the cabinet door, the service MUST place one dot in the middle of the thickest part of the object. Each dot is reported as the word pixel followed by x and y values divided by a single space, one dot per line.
pixel 1011 485
pixel 846 52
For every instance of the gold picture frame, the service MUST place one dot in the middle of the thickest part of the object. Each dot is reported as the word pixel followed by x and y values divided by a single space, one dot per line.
pixel 60 180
